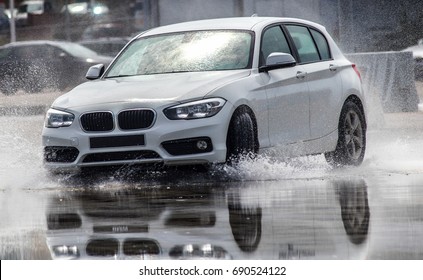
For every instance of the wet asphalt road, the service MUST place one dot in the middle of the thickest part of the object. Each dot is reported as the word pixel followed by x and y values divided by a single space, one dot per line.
pixel 267 209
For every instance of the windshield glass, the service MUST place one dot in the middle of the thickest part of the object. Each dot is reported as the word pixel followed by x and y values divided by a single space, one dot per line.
pixel 78 50
pixel 185 52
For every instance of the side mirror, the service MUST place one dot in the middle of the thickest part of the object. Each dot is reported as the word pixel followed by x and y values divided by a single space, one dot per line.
pixel 95 72
pixel 278 60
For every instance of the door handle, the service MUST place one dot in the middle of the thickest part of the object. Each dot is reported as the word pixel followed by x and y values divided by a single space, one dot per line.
pixel 333 67
pixel 301 75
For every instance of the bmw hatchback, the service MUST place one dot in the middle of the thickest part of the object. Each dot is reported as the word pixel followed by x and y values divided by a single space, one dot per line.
pixel 213 91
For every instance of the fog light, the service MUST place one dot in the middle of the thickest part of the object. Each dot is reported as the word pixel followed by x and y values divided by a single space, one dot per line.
pixel 188 146
pixel 202 145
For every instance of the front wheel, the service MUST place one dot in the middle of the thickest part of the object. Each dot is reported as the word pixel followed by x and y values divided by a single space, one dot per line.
pixel 351 144
pixel 241 137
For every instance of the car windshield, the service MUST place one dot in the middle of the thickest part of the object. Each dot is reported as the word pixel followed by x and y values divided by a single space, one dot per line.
pixel 185 52
pixel 78 50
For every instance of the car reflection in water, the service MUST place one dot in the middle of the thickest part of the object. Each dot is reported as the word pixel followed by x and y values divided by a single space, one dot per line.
pixel 240 220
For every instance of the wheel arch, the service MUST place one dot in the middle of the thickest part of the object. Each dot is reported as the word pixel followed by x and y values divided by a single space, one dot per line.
pixel 246 109
pixel 356 100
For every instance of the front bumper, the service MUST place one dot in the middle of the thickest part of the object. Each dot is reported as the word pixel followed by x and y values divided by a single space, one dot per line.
pixel 168 142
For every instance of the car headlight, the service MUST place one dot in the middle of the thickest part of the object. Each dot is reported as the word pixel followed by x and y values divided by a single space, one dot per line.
pixel 56 118
pixel 195 110
pixel 66 251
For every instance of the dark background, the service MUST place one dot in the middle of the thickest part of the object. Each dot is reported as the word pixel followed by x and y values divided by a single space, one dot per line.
pixel 357 25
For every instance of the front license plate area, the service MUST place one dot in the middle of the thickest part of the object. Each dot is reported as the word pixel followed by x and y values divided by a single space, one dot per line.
pixel 116 141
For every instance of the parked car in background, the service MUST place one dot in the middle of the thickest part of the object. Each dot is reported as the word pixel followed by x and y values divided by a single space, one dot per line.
pixel 105 46
pixel 84 18
pixel 35 65
pixel 85 8
pixel 35 7
pixel 104 30
pixel 417 51
pixel 4 23
pixel 213 91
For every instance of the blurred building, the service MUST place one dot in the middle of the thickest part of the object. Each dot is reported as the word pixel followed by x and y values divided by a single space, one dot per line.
pixel 357 25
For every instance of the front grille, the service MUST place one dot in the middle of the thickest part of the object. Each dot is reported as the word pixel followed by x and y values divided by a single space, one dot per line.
pixel 60 154
pixel 97 121
pixel 136 119
pixel 63 221
pixel 109 247
pixel 119 156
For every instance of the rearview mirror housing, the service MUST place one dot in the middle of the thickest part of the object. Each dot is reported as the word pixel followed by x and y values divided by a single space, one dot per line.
pixel 95 72
pixel 278 60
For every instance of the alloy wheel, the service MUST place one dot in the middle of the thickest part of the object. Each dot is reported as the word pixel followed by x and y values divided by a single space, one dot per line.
pixel 354 140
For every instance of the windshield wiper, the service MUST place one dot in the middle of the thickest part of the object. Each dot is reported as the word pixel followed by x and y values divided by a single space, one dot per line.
pixel 152 73
pixel 119 76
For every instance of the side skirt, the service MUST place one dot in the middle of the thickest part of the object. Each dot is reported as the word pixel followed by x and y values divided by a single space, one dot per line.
pixel 302 148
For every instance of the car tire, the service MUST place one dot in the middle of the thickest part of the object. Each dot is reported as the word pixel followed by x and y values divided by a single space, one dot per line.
pixel 351 145
pixel 240 141
pixel 355 212
pixel 246 224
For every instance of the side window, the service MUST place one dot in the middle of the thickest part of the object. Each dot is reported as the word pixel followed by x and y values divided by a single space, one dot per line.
pixel 274 40
pixel 322 44
pixel 304 43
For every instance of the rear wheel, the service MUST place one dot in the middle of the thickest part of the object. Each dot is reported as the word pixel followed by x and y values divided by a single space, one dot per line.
pixel 351 144
pixel 241 137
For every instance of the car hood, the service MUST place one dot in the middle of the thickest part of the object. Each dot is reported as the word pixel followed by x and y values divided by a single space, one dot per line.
pixel 148 89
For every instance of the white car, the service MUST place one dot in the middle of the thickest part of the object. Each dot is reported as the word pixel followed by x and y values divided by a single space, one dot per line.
pixel 212 91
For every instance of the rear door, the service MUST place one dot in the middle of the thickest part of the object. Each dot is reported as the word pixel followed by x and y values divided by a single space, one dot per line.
pixel 322 76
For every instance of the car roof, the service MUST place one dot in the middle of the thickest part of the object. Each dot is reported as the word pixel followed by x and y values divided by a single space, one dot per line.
pixel 35 43
pixel 236 23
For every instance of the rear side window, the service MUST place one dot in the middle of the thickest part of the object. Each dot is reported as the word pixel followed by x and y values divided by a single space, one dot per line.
pixel 304 43
pixel 322 44
pixel 274 40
